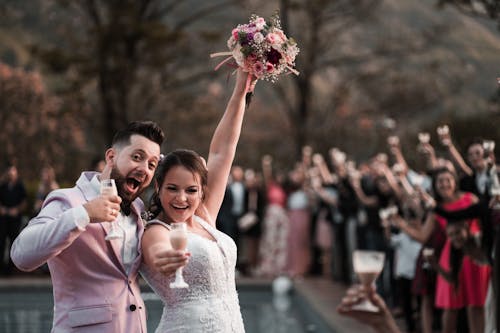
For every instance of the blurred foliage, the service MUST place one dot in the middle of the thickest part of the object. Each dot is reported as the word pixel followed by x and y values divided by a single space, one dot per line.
pixel 363 62
pixel 126 56
pixel 36 127
pixel 486 8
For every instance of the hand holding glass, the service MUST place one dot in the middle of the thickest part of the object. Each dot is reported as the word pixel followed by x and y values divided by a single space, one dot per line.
pixel 444 135
pixel 367 265
pixel 108 187
pixel 488 146
pixel 178 240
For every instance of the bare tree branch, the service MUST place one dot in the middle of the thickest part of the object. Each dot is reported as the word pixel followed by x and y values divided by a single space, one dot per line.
pixel 202 13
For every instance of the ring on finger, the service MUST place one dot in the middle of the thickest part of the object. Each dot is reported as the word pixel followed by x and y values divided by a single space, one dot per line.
pixel 113 211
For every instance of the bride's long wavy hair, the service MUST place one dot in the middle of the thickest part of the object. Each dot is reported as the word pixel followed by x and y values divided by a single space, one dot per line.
pixel 180 157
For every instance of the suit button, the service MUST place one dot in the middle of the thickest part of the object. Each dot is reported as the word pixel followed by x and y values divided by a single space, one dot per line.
pixel 132 307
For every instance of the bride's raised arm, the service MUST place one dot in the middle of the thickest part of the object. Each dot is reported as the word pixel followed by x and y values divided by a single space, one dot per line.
pixel 223 145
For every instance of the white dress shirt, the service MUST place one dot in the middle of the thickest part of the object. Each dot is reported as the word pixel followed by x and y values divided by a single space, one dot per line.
pixel 238 191
pixel 126 225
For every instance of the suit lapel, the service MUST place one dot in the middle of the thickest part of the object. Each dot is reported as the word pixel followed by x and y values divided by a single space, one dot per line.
pixel 84 183
pixel 90 193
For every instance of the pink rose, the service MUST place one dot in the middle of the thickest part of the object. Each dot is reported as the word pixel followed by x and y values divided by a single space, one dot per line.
pixel 235 33
pixel 273 38
pixel 260 23
pixel 251 58
pixel 258 69
pixel 269 67
pixel 280 34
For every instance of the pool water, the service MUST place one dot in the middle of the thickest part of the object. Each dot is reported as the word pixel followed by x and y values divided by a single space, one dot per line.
pixel 30 311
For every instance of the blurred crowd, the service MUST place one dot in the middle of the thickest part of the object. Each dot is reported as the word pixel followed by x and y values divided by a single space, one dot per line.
pixel 436 225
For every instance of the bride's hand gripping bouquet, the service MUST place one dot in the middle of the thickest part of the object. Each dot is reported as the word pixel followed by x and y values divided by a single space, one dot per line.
pixel 261 49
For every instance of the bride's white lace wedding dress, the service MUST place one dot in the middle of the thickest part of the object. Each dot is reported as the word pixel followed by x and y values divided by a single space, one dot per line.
pixel 210 304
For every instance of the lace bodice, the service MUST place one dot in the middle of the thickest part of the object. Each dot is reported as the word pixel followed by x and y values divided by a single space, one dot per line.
pixel 210 304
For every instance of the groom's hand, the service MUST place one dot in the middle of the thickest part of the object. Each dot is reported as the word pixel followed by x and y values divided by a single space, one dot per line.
pixel 168 260
pixel 103 208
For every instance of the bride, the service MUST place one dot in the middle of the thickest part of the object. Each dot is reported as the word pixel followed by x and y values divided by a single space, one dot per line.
pixel 187 190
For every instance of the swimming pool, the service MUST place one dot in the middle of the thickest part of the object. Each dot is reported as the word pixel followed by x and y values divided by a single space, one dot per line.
pixel 29 310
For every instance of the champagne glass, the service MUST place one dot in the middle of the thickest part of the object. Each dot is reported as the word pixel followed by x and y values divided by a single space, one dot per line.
pixel 424 137
pixel 444 135
pixel 108 187
pixel 389 123
pixel 495 192
pixel 393 141
pixel 489 147
pixel 427 252
pixel 383 214
pixel 398 169
pixel 367 265
pixel 337 155
pixel 382 158
pixel 178 240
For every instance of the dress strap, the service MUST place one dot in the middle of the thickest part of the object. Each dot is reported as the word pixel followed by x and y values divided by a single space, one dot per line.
pixel 153 222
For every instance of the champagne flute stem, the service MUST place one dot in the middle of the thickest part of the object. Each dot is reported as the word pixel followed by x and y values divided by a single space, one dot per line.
pixel 178 274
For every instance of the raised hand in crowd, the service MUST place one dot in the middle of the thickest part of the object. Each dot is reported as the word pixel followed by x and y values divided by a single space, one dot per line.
pixel 445 139
pixel 381 321
pixel 397 153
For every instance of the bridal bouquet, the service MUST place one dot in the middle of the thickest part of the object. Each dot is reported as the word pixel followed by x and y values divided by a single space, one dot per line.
pixel 261 49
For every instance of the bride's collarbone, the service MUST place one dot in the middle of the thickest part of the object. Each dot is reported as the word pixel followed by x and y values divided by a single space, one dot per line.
pixel 202 232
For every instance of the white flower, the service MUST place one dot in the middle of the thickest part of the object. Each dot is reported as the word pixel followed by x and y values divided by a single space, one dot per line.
pixel 258 38
pixel 259 23
pixel 238 56
pixel 231 43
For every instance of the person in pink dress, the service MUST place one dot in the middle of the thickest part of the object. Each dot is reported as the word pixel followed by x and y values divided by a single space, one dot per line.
pixel 471 284
pixel 299 239
pixel 273 243
pixel 464 286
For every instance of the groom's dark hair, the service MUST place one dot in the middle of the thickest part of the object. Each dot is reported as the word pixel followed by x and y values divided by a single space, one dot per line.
pixel 147 129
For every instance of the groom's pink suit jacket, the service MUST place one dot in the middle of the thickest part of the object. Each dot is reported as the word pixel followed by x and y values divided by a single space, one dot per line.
pixel 92 292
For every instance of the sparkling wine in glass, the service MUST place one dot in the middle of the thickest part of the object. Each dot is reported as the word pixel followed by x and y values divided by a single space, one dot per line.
pixel 393 141
pixel 178 240
pixel 108 187
pixel 443 130
pixel 427 252
pixel 424 137
pixel 367 265
pixel 488 146
pixel 338 156
pixel 444 135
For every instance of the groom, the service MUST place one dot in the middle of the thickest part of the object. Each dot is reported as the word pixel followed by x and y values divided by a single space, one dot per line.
pixel 95 281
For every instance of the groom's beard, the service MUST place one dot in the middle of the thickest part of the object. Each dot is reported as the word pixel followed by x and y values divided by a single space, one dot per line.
pixel 127 198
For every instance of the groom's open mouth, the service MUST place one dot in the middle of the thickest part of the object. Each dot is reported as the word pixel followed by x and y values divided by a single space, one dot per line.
pixel 133 184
